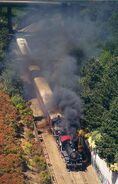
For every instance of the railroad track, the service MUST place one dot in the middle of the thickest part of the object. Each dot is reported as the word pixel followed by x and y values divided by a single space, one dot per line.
pixel 74 174
pixel 78 178
pixel 75 177
pixel 83 177
pixel 45 152
pixel 49 165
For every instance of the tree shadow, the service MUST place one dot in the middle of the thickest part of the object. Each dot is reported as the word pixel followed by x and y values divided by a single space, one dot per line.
pixel 114 177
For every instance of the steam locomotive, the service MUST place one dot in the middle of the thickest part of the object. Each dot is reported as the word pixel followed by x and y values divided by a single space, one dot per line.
pixel 73 154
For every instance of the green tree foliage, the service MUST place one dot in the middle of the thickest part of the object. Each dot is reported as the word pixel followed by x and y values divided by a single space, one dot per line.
pixel 100 94
pixel 24 110
pixel 11 82
pixel 112 45
pixel 4 37
pixel 27 147
pixel 18 102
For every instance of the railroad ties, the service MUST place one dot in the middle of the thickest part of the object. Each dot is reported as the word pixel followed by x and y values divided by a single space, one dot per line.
pixel 46 155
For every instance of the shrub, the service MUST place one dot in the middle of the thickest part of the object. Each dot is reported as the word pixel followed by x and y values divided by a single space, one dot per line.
pixel 45 178
pixel 29 135
pixel 39 163
pixel 18 102
pixel 11 82
pixel 27 147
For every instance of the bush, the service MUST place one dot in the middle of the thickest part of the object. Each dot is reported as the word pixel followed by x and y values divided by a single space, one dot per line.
pixel 11 82
pixel 18 102
pixel 36 149
pixel 45 178
pixel 24 111
pixel 27 147
pixel 29 135
pixel 39 163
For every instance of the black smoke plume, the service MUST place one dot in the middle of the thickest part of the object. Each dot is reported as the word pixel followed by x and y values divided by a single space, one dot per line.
pixel 51 33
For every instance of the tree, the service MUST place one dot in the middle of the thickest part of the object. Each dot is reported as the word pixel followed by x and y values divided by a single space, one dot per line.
pixel 11 82
pixel 100 94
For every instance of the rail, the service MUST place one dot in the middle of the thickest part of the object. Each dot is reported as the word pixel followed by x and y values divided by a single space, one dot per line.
pixel 46 155
pixel 83 178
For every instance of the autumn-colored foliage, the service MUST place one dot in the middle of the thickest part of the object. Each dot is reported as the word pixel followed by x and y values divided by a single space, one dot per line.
pixel 7 110
pixel 10 162
pixel 11 178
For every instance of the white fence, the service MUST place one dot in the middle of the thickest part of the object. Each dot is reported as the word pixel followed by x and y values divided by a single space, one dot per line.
pixel 105 175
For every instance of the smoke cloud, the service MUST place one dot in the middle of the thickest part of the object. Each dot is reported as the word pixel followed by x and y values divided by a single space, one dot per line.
pixel 52 33
pixel 69 103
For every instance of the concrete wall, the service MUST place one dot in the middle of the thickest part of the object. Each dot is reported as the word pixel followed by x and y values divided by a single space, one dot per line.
pixel 104 174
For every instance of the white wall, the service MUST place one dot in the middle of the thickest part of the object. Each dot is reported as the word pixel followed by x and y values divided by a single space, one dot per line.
pixel 105 175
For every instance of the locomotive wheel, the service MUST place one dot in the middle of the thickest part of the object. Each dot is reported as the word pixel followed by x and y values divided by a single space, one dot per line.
pixel 82 168
pixel 67 167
